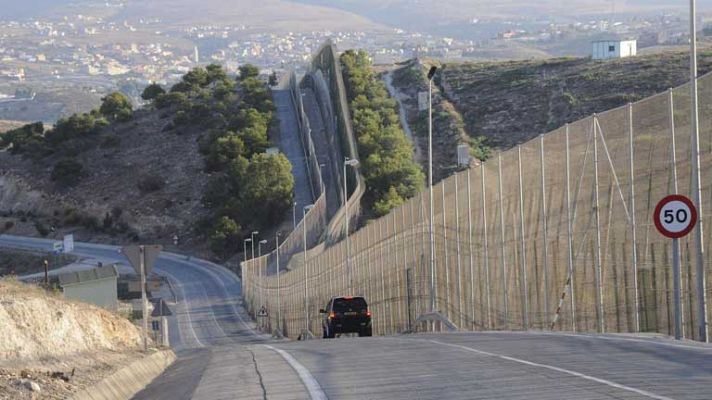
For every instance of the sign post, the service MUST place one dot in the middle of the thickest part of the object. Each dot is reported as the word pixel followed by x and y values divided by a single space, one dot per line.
pixel 675 216
pixel 142 259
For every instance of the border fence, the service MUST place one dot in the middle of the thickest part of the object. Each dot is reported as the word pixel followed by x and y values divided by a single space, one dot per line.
pixel 556 233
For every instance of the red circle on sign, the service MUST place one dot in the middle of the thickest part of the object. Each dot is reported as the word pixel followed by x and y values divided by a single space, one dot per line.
pixel 659 209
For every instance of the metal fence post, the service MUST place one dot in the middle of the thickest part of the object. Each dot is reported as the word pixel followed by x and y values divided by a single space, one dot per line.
pixel 676 278
pixel 634 250
pixel 469 242
pixel 544 228
pixel 460 290
pixel 501 237
pixel 569 234
pixel 486 248
pixel 597 255
pixel 396 269
pixel 383 280
pixel 445 254
pixel 522 247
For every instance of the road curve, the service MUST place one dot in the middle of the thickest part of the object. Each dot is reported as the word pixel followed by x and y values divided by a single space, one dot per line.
pixel 222 357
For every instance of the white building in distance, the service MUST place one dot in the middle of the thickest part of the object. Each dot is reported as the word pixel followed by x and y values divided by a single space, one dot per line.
pixel 605 49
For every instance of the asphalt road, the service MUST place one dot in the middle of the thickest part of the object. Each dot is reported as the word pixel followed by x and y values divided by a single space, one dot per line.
pixel 290 144
pixel 222 357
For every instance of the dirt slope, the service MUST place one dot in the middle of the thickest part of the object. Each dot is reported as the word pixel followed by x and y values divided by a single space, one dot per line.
pixel 36 325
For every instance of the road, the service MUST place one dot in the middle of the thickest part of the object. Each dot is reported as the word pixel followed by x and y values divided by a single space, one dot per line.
pixel 221 356
pixel 290 144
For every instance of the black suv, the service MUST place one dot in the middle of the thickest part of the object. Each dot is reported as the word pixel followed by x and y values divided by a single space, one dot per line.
pixel 346 315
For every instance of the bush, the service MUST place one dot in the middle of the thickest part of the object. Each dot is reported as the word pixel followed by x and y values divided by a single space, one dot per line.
pixel 151 183
pixel 24 139
pixel 224 236
pixel 173 99
pixel 41 228
pixel 116 106
pixel 152 91
pixel 8 225
pixel 68 172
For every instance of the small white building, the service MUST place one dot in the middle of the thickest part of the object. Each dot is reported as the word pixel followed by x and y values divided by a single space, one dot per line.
pixel 605 49
pixel 97 286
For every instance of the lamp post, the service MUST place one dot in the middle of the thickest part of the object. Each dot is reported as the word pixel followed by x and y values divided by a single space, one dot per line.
pixel 252 239
pixel 244 253
pixel 279 299
pixel 431 75
pixel 352 163
pixel 306 333
pixel 294 215
pixel 262 284
pixel 696 181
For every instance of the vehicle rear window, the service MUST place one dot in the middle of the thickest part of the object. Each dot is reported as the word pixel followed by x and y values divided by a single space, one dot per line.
pixel 354 304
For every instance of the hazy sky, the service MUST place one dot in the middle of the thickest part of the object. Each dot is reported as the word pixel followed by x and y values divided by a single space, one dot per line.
pixel 12 9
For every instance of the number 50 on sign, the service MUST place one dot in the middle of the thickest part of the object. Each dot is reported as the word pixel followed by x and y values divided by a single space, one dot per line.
pixel 675 216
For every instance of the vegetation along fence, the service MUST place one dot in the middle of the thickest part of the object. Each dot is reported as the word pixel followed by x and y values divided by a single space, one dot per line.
pixel 569 212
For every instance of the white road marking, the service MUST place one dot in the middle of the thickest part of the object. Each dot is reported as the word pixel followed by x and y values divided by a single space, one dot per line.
pixel 312 385
pixel 232 305
pixel 187 306
pixel 557 369
pixel 631 339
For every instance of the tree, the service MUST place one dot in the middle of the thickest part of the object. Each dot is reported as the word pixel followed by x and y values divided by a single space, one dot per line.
pixel 215 73
pixel 116 106
pixel 177 99
pixel 224 150
pixel 28 138
pixel 248 71
pixel 224 236
pixel 152 91
pixel 68 172
pixel 267 193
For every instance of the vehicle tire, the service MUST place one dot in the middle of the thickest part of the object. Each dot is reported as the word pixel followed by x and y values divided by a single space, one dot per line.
pixel 323 333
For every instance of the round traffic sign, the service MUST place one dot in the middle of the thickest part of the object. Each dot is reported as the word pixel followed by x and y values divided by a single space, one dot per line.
pixel 675 216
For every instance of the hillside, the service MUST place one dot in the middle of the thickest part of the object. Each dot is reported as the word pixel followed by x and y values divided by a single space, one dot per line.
pixel 511 102
pixel 58 346
pixel 182 166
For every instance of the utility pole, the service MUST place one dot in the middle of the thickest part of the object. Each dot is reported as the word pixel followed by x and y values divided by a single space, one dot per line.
pixel 696 181
pixel 431 75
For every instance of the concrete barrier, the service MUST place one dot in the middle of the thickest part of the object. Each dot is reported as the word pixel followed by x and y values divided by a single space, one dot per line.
pixel 129 380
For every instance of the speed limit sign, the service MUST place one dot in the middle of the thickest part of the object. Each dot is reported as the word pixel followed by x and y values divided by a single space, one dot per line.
pixel 675 216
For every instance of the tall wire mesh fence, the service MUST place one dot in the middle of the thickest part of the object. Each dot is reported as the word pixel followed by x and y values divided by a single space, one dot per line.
pixel 555 234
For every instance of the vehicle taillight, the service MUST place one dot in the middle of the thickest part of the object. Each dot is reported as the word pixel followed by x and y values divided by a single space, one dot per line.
pixel 368 313
pixel 332 315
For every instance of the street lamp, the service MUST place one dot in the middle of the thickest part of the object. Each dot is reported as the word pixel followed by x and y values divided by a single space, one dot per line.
pixel 294 215
pixel 696 182
pixel 279 300
pixel 306 333
pixel 262 284
pixel 259 247
pixel 252 239
pixel 244 255
pixel 431 75
pixel 351 163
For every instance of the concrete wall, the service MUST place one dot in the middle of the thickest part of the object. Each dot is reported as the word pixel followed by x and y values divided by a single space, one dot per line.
pixel 101 292
pixel 129 380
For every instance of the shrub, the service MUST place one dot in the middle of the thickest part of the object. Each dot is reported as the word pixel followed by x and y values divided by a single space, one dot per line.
pixel 68 172
pixel 41 228
pixel 224 236
pixel 151 183
pixel 152 91
pixel 173 99
pixel 116 106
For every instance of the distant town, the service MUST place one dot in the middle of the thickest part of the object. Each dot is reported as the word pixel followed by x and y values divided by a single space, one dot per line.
pixel 99 56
